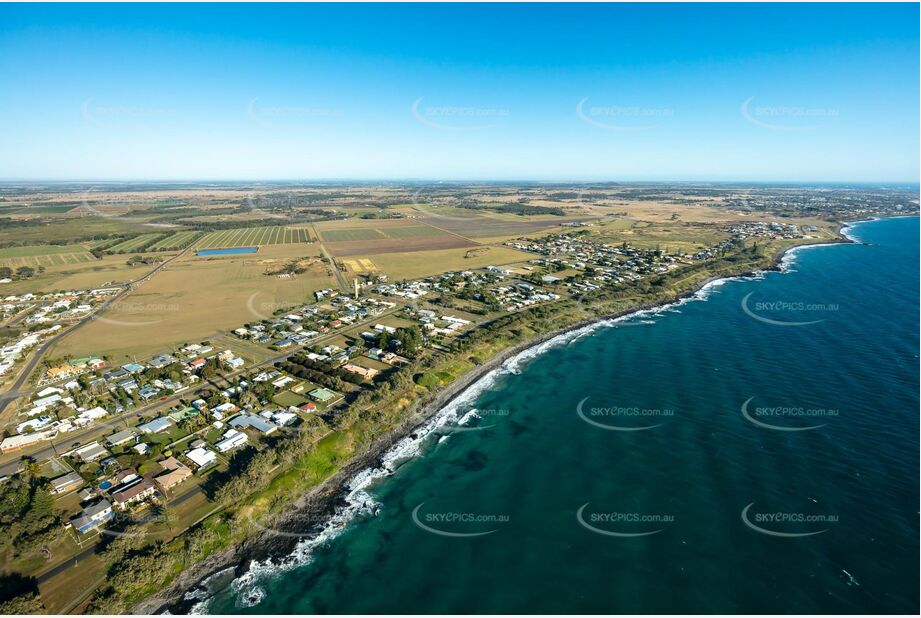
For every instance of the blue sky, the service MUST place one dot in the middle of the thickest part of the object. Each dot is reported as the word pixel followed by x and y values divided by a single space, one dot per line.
pixel 460 92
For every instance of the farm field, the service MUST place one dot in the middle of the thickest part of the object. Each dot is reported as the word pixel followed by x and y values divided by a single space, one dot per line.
pixel 70 229
pixel 179 240
pixel 254 236
pixel 44 255
pixel 489 227
pixel 132 244
pixel 194 299
pixel 397 245
pixel 380 232
pixel 411 265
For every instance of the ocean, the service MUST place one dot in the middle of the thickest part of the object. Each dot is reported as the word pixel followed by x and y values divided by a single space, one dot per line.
pixel 754 449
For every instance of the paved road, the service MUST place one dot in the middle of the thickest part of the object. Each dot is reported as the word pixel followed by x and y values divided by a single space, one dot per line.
pixel 14 393
pixel 342 282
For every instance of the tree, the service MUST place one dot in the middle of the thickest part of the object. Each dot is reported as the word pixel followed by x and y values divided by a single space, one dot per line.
pixel 24 272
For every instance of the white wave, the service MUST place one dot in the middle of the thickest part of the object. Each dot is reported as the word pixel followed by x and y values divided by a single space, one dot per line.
pixel 469 416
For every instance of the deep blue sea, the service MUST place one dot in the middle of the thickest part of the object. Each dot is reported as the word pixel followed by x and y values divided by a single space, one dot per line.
pixel 753 450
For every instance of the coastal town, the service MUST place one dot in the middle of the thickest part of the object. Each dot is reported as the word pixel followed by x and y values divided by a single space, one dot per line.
pixel 109 447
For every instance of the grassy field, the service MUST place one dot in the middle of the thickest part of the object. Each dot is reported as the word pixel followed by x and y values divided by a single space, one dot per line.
pixel 253 237
pixel 416 264
pixel 84 275
pixel 193 299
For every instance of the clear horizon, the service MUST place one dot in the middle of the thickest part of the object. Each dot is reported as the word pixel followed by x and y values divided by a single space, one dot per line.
pixel 461 93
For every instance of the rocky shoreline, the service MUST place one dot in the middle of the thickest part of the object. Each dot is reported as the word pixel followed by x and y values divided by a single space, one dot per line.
pixel 320 503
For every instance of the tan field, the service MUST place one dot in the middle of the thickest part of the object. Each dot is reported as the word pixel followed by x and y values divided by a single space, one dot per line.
pixel 195 298
pixel 426 263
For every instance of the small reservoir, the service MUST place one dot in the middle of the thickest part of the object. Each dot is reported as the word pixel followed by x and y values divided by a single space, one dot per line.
pixel 227 251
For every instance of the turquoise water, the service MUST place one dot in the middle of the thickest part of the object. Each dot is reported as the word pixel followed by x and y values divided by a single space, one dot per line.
pixel 847 488
pixel 228 251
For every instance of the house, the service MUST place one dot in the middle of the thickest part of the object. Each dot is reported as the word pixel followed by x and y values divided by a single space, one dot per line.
pixel 232 439
pixel 141 448
pixel 322 394
pixel 256 422
pixel 156 426
pixel 308 407
pixel 234 363
pixel 68 482
pixel 124 476
pixel 132 493
pixel 14 443
pixel 94 413
pixel 174 473
pixel 147 392
pixel 199 404
pixel 133 367
pixel 283 418
pixel 201 457
pixel 282 381
pixel 121 437
pixel 162 360
pixel 90 452
pixel 92 516
pixel 198 363
pixel 365 372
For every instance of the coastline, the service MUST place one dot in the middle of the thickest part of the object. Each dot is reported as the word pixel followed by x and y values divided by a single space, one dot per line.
pixel 319 506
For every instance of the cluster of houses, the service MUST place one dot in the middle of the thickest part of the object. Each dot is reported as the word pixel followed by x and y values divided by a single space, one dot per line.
pixel 53 409
pixel 17 349
pixel 301 326
pixel 124 489
pixel 54 309
pixel 762 229
pixel 606 263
